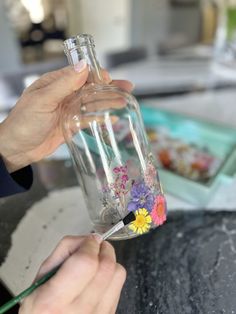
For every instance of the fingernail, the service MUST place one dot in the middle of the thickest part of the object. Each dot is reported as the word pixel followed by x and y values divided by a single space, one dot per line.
pixel 107 77
pixel 79 67
pixel 132 86
pixel 97 237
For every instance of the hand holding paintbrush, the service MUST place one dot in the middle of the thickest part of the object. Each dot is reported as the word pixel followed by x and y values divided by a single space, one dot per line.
pixel 87 277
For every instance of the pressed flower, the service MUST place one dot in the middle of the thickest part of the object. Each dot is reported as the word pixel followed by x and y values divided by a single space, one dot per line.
pixel 119 186
pixel 141 197
pixel 122 186
pixel 122 169
pixel 142 223
pixel 116 170
pixel 150 175
pixel 124 178
pixel 158 212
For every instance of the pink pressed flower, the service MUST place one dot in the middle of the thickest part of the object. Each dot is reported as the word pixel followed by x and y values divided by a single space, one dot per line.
pixel 122 186
pixel 150 175
pixel 116 169
pixel 124 169
pixel 158 212
pixel 121 179
pixel 124 178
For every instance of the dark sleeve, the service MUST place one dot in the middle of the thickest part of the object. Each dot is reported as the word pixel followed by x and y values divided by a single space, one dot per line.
pixel 16 182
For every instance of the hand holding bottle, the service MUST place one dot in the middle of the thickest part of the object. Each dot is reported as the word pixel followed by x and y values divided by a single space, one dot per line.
pixel 32 131
pixel 89 280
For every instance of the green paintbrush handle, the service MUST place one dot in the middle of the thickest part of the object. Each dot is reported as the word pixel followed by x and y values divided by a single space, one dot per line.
pixel 7 306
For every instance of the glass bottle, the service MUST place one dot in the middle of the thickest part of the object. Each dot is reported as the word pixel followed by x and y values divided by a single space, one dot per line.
pixel 104 131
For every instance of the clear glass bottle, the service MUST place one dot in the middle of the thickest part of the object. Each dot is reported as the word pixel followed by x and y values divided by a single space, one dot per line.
pixel 104 131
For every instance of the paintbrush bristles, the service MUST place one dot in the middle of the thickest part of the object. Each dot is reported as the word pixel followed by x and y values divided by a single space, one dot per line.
pixel 129 218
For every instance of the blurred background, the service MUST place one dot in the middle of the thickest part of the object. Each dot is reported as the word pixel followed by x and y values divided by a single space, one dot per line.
pixel 32 32
pixel 180 54
pixel 125 31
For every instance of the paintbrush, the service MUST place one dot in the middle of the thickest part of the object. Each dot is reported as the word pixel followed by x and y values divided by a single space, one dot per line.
pixel 7 306
pixel 125 221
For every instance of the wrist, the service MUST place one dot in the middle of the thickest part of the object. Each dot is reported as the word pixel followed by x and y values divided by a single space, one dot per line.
pixel 14 163
pixel 13 159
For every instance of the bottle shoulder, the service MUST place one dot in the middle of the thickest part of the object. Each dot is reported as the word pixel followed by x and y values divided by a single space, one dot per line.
pixel 98 103
pixel 96 98
pixel 106 89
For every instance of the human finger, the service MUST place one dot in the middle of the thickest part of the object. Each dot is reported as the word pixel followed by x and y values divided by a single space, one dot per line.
pixel 71 79
pixel 58 292
pixel 76 272
pixel 110 300
pixel 65 248
pixel 94 291
pixel 106 76
pixel 85 122
pixel 50 77
pixel 104 104
pixel 123 84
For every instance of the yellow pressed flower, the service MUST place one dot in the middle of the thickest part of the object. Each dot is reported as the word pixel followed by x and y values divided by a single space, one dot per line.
pixel 142 223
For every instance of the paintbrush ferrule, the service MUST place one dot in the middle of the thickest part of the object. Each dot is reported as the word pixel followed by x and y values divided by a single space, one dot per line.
pixel 114 229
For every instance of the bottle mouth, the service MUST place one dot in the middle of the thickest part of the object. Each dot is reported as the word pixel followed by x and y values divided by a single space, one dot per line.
pixel 78 41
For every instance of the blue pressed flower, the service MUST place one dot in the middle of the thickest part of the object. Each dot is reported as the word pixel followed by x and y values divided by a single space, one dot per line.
pixel 141 197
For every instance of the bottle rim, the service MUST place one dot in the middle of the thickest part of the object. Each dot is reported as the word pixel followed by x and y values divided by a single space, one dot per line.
pixel 78 41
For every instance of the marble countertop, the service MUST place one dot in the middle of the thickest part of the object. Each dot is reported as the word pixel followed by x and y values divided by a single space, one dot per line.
pixel 186 266
pixel 32 223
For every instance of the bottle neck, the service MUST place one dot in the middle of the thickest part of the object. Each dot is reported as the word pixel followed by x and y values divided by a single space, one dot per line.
pixel 86 52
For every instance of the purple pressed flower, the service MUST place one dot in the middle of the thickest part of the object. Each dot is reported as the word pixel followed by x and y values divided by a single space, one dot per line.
pixel 141 197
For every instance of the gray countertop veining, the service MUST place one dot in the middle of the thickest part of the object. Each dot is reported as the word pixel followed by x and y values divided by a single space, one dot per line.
pixel 186 266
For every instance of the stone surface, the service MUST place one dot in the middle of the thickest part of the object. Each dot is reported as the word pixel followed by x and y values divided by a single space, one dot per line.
pixel 186 266
pixel 33 223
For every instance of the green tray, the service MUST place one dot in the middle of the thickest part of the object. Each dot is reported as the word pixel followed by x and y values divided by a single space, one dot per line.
pixel 220 140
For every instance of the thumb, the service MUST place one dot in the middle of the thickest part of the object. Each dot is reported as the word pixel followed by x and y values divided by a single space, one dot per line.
pixel 65 248
pixel 69 80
